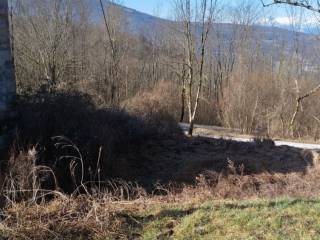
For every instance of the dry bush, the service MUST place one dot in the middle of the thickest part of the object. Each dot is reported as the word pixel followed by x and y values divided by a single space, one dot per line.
pixel 21 177
pixel 163 102
pixel 70 218
pixel 258 102
pixel 109 141
pixel 307 122
pixel 265 185
pixel 159 106
pixel 247 102
pixel 209 113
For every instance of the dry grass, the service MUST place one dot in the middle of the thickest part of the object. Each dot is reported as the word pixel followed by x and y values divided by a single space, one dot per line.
pixel 172 172
pixel 172 215
pixel 83 217
pixel 128 212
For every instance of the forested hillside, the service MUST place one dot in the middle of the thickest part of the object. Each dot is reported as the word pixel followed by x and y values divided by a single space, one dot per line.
pixel 63 48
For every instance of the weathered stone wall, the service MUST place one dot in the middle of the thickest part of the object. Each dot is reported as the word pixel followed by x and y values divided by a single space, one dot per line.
pixel 7 79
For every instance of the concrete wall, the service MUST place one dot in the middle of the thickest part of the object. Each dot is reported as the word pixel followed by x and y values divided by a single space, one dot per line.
pixel 7 79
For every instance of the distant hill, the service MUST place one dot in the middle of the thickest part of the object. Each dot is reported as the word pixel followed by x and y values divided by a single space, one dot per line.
pixel 267 36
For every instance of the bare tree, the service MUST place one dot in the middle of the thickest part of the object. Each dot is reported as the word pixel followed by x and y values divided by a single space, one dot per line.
pixel 312 6
pixel 44 39
pixel 232 76
pixel 7 78
pixel 195 20
pixel 114 20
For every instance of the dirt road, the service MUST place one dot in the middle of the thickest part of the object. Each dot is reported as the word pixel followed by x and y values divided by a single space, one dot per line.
pixel 235 135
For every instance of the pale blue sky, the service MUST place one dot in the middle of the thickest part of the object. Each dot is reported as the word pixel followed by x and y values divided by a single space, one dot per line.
pixel 154 7
pixel 163 8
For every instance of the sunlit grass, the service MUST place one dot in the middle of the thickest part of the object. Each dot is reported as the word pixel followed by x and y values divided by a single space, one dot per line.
pixel 281 219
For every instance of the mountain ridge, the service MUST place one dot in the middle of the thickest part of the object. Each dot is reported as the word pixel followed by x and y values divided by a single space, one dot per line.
pixel 139 16
pixel 145 24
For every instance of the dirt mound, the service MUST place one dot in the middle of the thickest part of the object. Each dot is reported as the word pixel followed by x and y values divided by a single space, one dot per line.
pixel 183 161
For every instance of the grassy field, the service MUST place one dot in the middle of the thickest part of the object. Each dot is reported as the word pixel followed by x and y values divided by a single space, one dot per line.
pixel 153 219
pixel 281 219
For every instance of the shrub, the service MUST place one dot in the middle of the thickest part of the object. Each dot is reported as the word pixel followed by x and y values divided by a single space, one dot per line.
pixel 107 142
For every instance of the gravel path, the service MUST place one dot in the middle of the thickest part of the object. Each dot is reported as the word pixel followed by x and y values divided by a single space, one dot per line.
pixel 208 131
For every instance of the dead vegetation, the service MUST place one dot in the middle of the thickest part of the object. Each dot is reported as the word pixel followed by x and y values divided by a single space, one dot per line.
pixel 145 146
pixel 107 216
pixel 113 164
pixel 69 218
pixel 86 162
pixel 176 171
pixel 149 150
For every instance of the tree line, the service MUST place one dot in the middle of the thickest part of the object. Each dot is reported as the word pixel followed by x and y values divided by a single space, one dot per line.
pixel 198 71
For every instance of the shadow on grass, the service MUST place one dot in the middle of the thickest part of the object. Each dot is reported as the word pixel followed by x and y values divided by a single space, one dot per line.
pixel 173 213
pixel 162 224
pixel 270 204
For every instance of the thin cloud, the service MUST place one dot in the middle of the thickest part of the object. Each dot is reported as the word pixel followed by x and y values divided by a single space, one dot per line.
pixel 286 20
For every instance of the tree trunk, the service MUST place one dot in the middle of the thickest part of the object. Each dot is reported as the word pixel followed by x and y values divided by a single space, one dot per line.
pixel 191 127
pixel 183 97
pixel 7 80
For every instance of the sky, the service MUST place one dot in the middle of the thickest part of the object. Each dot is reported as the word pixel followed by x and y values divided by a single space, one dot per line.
pixel 279 15
pixel 160 8
pixel 163 7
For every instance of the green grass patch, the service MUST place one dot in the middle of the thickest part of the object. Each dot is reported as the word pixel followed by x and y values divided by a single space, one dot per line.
pixel 280 219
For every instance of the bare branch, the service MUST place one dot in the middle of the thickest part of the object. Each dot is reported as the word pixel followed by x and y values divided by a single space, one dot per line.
pixel 302 3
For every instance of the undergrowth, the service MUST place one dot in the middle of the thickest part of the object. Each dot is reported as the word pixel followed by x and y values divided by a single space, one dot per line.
pixel 158 217
pixel 82 171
